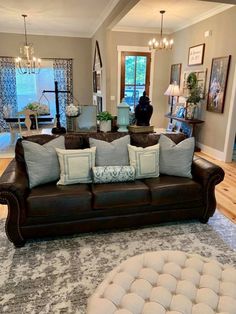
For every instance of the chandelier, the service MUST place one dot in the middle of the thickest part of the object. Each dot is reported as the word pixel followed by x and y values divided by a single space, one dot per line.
pixel 163 43
pixel 27 63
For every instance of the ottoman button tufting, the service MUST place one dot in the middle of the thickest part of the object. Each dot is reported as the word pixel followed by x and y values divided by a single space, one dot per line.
pixel 179 289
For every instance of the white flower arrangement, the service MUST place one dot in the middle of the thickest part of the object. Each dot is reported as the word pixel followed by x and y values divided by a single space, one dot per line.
pixel 72 110
pixel 41 109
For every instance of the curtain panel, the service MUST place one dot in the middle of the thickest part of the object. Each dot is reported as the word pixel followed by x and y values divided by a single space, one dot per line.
pixel 64 76
pixel 8 103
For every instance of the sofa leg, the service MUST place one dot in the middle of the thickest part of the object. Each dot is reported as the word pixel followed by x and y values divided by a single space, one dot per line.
pixel 19 244
pixel 204 220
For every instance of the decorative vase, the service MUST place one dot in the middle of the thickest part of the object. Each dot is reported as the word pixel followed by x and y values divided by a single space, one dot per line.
pixel 105 126
pixel 123 116
pixel 190 111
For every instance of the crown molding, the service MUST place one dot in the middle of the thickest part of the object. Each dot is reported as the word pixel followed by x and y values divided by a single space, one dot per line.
pixel 206 15
pixel 147 30
pixel 62 34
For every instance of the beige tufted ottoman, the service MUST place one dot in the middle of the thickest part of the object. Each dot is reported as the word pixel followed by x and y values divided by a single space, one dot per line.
pixel 166 282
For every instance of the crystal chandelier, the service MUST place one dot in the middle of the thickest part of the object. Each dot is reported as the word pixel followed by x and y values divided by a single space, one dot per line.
pixel 163 43
pixel 27 63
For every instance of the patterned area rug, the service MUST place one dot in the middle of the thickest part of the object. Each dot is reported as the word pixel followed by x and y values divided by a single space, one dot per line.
pixel 58 275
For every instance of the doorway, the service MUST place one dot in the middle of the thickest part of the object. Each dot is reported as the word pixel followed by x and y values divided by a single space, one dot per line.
pixel 135 76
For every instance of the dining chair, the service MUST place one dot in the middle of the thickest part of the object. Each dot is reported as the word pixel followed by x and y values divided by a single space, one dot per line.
pixel 28 115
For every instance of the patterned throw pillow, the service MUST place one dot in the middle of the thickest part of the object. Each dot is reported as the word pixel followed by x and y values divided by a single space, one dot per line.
pixel 145 161
pixel 108 174
pixel 76 165
pixel 176 160
pixel 111 154
pixel 41 161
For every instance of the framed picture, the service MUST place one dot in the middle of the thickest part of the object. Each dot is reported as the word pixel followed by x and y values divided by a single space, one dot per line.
pixel 175 73
pixel 97 60
pixel 196 55
pixel 201 81
pixel 94 81
pixel 218 84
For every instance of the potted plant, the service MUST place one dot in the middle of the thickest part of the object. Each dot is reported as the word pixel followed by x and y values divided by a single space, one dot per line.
pixel 105 121
pixel 195 95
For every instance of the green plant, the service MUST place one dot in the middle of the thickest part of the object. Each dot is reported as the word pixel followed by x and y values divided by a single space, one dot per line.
pixel 195 91
pixel 104 116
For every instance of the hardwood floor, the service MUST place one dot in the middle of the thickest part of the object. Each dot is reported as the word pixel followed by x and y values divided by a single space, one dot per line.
pixel 225 191
pixel 3 164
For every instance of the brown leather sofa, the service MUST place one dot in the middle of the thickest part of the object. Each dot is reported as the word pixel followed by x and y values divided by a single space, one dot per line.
pixel 51 210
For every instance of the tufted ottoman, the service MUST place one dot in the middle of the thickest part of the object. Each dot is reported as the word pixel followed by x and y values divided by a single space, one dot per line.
pixel 166 282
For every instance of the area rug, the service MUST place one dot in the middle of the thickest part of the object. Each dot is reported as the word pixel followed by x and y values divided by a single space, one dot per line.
pixel 58 275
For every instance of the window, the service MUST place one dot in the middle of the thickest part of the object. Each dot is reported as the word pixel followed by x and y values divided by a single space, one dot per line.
pixel 135 76
pixel 17 90
pixel 29 87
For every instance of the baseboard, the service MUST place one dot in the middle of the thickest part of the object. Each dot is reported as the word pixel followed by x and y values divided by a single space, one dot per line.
pixel 217 154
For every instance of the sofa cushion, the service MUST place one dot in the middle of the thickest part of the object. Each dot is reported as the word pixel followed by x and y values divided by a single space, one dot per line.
pixel 111 154
pixel 170 190
pixel 57 202
pixel 41 160
pixel 120 194
pixel 176 160
pixel 76 165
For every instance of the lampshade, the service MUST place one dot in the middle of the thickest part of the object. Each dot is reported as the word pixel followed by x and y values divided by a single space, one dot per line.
pixel 172 90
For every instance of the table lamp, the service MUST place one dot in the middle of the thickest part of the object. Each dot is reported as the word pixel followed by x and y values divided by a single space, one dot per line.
pixel 172 90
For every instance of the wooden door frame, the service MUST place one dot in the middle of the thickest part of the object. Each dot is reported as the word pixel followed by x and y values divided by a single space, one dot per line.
pixel 136 49
pixel 122 79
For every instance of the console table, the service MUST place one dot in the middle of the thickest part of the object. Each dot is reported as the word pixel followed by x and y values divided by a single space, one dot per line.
pixel 191 122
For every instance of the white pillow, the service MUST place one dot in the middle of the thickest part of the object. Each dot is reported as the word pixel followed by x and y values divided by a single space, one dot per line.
pixel 76 165
pixel 145 161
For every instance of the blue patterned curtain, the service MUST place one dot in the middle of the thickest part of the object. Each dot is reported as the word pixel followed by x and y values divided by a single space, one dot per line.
pixel 8 103
pixel 63 75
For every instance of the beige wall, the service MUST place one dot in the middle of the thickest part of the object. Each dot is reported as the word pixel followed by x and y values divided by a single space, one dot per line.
pixel 79 49
pixel 221 43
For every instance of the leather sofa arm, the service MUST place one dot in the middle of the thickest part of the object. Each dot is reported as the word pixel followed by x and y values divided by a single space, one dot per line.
pixel 14 189
pixel 208 175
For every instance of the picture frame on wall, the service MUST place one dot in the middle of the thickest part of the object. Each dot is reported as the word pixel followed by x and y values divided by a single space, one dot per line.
pixel 94 81
pixel 97 60
pixel 196 55
pixel 175 73
pixel 218 84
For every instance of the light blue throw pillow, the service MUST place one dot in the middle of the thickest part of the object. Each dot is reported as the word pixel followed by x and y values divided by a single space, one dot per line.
pixel 176 159
pixel 111 154
pixel 42 161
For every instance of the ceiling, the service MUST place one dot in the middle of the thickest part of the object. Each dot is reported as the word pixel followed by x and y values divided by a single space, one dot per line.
pixel 145 15
pixel 81 18
pixel 75 18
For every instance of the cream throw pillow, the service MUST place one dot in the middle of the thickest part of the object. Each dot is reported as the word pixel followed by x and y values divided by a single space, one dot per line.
pixel 145 161
pixel 76 165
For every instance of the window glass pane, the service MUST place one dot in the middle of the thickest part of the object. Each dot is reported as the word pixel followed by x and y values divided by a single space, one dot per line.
pixel 141 70
pixel 29 87
pixel 130 70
